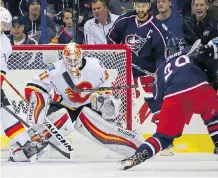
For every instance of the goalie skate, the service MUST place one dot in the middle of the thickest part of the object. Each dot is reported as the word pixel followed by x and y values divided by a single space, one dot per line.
pixel 30 150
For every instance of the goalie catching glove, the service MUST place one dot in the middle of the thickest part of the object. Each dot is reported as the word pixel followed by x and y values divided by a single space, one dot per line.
pixel 106 104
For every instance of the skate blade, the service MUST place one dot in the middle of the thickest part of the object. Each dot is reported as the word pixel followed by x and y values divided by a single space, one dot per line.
pixel 43 153
pixel 33 159
pixel 124 165
pixel 163 153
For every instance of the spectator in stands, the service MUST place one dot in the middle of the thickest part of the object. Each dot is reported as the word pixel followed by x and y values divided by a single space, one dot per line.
pixel 200 25
pixel 97 28
pixel 85 12
pixel 18 36
pixel 2 4
pixel 32 26
pixel 119 7
pixel 164 21
pixel 213 7
pixel 65 36
pixel 184 7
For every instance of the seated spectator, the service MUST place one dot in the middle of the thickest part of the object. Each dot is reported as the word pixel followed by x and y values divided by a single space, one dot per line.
pixel 32 22
pixel 120 7
pixel 97 28
pixel 85 12
pixel 200 25
pixel 185 7
pixel 213 7
pixel 65 36
pixel 169 25
pixel 18 36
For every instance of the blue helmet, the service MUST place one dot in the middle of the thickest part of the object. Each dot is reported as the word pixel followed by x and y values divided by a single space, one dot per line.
pixel 175 45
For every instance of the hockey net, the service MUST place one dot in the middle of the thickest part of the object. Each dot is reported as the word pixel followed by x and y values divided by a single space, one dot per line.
pixel 27 61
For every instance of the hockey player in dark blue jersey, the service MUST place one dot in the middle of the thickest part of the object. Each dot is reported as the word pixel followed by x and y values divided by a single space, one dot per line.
pixel 137 30
pixel 181 89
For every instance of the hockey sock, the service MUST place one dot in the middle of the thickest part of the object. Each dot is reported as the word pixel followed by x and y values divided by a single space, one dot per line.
pixel 212 128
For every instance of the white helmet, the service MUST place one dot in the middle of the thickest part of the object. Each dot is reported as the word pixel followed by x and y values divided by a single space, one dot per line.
pixel 72 56
pixel 6 19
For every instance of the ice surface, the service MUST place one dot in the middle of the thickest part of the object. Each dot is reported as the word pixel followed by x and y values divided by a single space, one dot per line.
pixel 180 165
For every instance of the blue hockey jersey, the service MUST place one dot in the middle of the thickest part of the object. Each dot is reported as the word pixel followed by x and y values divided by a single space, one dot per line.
pixel 145 40
pixel 177 75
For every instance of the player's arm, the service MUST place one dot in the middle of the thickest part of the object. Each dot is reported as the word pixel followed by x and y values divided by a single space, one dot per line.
pixel 39 84
pixel 115 34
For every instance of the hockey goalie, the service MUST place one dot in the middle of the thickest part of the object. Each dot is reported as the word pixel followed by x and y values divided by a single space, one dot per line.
pixel 90 113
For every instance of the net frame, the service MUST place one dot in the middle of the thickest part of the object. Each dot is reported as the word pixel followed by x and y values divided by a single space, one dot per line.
pixel 101 47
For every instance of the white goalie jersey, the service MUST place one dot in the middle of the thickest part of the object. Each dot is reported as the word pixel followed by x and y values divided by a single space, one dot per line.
pixel 5 51
pixel 92 75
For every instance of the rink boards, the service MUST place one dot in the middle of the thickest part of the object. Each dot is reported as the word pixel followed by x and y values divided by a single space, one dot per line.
pixel 194 139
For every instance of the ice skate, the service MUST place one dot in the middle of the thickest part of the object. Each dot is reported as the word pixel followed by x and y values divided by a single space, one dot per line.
pixel 168 151
pixel 30 150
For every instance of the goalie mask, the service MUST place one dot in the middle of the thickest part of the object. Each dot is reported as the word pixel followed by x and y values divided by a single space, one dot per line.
pixel 72 56
pixel 6 19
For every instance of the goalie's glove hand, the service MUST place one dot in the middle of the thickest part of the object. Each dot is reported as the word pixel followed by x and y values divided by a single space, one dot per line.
pixel 106 104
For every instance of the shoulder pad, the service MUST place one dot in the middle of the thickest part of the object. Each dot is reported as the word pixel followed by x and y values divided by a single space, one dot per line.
pixel 129 13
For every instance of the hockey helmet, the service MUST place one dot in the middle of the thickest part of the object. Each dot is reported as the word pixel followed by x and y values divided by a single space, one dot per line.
pixel 72 56
pixel 6 19
pixel 175 45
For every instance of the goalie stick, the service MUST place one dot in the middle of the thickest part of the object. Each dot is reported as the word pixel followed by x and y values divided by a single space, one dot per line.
pixel 78 90
pixel 67 155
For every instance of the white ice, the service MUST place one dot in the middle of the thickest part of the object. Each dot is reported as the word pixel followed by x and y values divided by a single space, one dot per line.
pixel 180 165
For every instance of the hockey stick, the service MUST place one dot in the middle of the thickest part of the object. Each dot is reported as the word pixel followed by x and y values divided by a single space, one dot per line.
pixel 67 155
pixel 16 91
pixel 144 71
pixel 195 46
pixel 78 90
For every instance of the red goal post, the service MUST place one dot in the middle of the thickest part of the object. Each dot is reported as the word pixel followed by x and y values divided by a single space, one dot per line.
pixel 116 58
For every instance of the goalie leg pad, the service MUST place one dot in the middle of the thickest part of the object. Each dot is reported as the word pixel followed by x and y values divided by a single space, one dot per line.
pixel 61 121
pixel 37 108
pixel 117 139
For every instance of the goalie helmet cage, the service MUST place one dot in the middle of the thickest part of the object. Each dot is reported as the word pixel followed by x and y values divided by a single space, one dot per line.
pixel 115 57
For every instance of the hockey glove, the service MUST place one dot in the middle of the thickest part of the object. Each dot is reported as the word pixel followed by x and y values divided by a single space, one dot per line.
pixel 106 104
pixel 210 50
